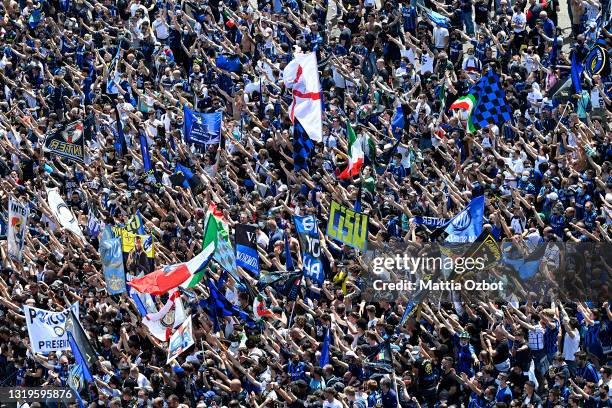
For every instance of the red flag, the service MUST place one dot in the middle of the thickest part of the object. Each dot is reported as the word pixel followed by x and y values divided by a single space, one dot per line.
pixel 161 281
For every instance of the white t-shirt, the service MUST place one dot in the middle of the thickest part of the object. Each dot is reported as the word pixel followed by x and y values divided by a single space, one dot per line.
pixel 334 404
pixel 427 63
pixel 571 345
pixel 440 34
pixel 408 53
pixel 161 29
pixel 518 22
pixel 596 99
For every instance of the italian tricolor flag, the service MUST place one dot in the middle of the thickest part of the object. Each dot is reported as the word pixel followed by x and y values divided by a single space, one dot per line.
pixel 356 154
pixel 466 103
pixel 190 273
pixel 215 227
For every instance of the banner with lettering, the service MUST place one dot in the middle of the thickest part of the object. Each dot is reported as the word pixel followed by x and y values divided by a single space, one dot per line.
pixel 310 242
pixel 246 248
pixel 67 142
pixel 348 226
pixel 17 229
pixel 47 330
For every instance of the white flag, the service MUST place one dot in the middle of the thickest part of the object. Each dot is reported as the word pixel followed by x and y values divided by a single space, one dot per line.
pixel 47 330
pixel 62 213
pixel 172 315
pixel 301 75
pixel 17 228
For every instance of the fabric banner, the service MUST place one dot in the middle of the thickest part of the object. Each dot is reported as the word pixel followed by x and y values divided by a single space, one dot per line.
pixel 467 225
pixel 46 329
pixel 224 255
pixel 17 228
pixel 246 248
pixel 202 128
pixel 67 142
pixel 301 75
pixel 181 340
pixel 84 353
pixel 128 241
pixel 348 226
pixel 112 262
pixel 597 61
pixel 310 242
pixel 135 225
pixel 62 213
pixel 161 323
pixel 430 221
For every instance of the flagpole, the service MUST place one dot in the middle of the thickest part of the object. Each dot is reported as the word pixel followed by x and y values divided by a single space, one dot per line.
pixel 561 117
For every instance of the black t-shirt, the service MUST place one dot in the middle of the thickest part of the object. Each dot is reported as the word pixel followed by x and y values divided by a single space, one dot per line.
pixel 481 12
pixel 523 358
pixel 503 352
pixel 448 381
pixel 427 376
pixel 27 168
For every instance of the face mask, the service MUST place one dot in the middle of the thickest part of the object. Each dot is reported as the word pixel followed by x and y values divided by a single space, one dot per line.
pixel 497 381
pixel 524 178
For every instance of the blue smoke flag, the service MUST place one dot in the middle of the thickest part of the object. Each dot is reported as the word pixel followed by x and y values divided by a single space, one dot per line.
pixel 202 128
pixel 302 146
pixel 217 306
pixel 467 225
pixel 325 349
pixel 576 73
pixel 437 18
pixel 35 18
pixel 397 122
pixel 288 260
pixel 144 151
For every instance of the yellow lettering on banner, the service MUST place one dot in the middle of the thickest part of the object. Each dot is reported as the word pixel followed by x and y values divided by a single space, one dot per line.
pixel 356 225
pixel 361 233
pixel 348 221
pixel 332 214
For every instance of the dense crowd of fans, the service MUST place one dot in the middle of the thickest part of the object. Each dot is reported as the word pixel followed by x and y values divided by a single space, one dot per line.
pixel 546 174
